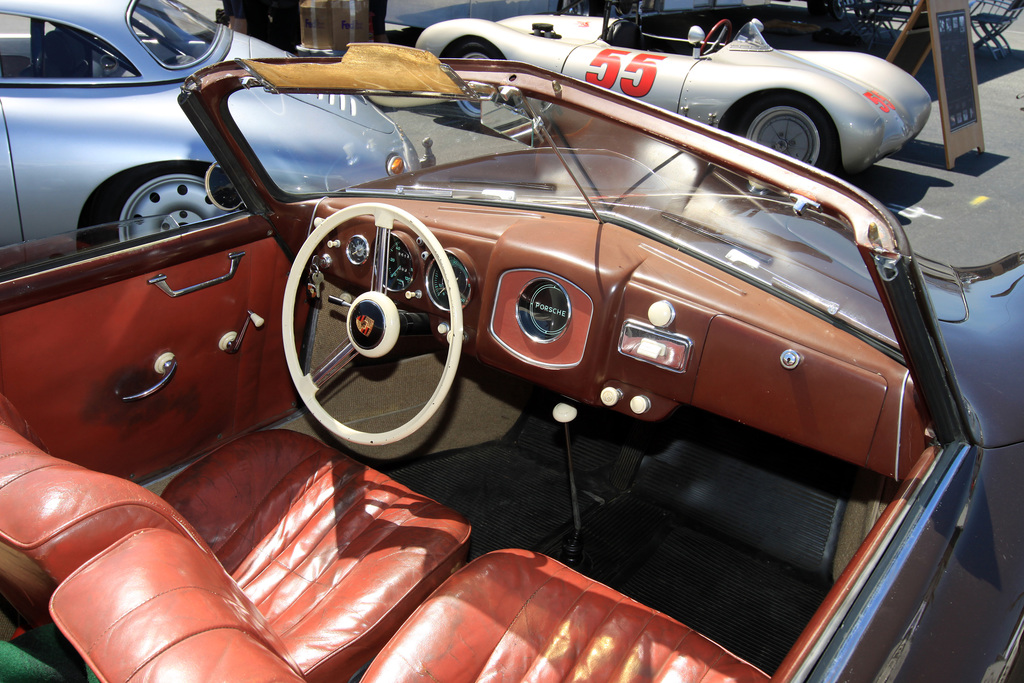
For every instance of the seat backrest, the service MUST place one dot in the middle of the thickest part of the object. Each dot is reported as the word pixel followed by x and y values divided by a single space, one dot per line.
pixel 55 515
pixel 624 33
pixel 65 55
pixel 989 10
pixel 183 619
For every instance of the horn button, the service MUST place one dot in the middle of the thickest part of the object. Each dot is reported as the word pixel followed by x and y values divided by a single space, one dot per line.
pixel 373 324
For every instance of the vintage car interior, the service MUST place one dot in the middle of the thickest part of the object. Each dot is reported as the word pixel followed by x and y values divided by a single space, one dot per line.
pixel 638 374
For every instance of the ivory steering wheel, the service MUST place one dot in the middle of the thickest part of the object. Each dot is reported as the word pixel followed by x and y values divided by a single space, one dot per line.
pixel 372 323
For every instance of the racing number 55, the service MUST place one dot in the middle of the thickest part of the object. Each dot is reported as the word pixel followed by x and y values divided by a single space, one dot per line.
pixel 639 73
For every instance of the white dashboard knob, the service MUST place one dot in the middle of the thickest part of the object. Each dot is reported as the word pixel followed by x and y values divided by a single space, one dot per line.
pixel 610 396
pixel 661 313
pixel 640 404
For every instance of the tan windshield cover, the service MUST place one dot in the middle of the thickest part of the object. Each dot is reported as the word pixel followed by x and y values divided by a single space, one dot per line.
pixel 366 69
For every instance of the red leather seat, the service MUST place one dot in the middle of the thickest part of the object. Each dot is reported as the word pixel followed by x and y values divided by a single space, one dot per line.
pixel 55 515
pixel 333 554
pixel 181 619
pixel 515 615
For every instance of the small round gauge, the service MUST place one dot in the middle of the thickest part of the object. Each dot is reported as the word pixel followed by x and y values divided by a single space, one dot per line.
pixel 358 250
pixel 400 265
pixel 436 290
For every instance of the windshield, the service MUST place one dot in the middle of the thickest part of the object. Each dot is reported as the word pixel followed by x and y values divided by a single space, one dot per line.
pixel 546 156
pixel 175 34
pixel 749 39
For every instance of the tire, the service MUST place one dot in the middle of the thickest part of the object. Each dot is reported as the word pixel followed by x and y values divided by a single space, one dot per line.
pixel 794 125
pixel 837 8
pixel 173 189
pixel 472 48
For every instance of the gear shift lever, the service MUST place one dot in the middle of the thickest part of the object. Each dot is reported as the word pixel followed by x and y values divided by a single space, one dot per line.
pixel 572 545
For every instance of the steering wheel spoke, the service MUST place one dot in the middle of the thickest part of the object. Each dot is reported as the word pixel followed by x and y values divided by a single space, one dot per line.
pixel 372 324
pixel 381 251
pixel 338 359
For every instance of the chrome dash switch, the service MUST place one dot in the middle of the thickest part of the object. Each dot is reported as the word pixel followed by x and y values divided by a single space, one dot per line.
pixel 790 359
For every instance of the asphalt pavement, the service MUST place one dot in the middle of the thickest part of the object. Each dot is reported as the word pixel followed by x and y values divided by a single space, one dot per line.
pixel 969 215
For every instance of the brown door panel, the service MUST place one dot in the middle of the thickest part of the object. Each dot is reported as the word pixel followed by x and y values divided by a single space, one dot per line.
pixel 67 363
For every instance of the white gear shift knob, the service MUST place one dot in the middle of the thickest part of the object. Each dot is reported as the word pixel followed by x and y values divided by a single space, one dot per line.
pixel 564 412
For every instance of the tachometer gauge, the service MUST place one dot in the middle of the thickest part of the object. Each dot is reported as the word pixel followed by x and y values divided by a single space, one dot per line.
pixel 400 265
pixel 435 283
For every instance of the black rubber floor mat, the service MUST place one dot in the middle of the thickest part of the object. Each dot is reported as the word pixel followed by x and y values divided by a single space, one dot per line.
pixel 618 538
pixel 725 529
pixel 757 607
pixel 779 499
pixel 511 501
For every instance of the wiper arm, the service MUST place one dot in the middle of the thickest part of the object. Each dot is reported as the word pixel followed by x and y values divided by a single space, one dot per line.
pixel 436 192
pixel 755 254
pixel 806 295
pixel 521 185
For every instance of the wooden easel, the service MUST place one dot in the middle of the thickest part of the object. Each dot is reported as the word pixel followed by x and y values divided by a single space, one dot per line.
pixel 946 26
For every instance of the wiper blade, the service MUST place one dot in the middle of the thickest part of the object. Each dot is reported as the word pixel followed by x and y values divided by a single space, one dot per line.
pixel 806 295
pixel 436 192
pixel 520 185
pixel 755 254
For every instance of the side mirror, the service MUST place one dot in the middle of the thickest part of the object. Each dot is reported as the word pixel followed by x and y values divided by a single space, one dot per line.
pixel 220 190
pixel 696 37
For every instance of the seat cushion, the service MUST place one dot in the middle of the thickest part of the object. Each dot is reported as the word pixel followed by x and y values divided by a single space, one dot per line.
pixel 334 554
pixel 514 615
pixel 157 607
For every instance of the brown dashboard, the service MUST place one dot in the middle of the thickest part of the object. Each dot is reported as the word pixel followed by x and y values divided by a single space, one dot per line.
pixel 603 316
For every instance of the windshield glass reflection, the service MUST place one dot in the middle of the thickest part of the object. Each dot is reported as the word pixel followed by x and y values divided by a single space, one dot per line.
pixel 554 157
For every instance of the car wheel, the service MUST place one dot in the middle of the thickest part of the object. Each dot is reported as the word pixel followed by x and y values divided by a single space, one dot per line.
pixel 793 125
pixel 174 189
pixel 837 8
pixel 472 48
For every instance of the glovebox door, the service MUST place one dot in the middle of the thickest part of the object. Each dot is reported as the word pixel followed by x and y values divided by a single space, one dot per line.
pixel 82 367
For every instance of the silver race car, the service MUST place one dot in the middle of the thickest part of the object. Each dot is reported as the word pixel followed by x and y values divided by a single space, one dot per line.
pixel 836 110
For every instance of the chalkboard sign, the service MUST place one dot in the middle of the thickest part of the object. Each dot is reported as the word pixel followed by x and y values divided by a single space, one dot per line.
pixel 942 27
pixel 955 46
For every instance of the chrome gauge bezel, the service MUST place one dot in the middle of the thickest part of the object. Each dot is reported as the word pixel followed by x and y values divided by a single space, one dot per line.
pixel 397 248
pixel 358 250
pixel 433 281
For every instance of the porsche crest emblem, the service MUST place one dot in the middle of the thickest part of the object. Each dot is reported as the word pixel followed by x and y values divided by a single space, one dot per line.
pixel 364 324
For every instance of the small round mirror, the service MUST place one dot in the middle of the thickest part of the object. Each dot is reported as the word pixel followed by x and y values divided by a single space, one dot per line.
pixel 220 190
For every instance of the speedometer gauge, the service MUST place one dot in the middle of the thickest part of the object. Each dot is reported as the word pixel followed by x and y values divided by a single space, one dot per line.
pixel 400 265
pixel 436 290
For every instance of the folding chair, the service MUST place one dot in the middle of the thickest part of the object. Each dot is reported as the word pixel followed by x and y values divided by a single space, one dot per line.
pixel 989 18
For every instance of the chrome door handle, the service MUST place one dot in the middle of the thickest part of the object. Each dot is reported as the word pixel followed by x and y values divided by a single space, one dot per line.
pixel 165 365
pixel 161 280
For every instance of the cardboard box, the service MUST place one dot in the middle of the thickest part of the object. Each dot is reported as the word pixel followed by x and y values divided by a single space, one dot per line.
pixel 333 24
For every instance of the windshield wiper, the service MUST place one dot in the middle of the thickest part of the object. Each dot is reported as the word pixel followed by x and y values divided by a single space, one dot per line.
pixel 806 295
pixel 435 192
pixel 755 254
pixel 521 185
